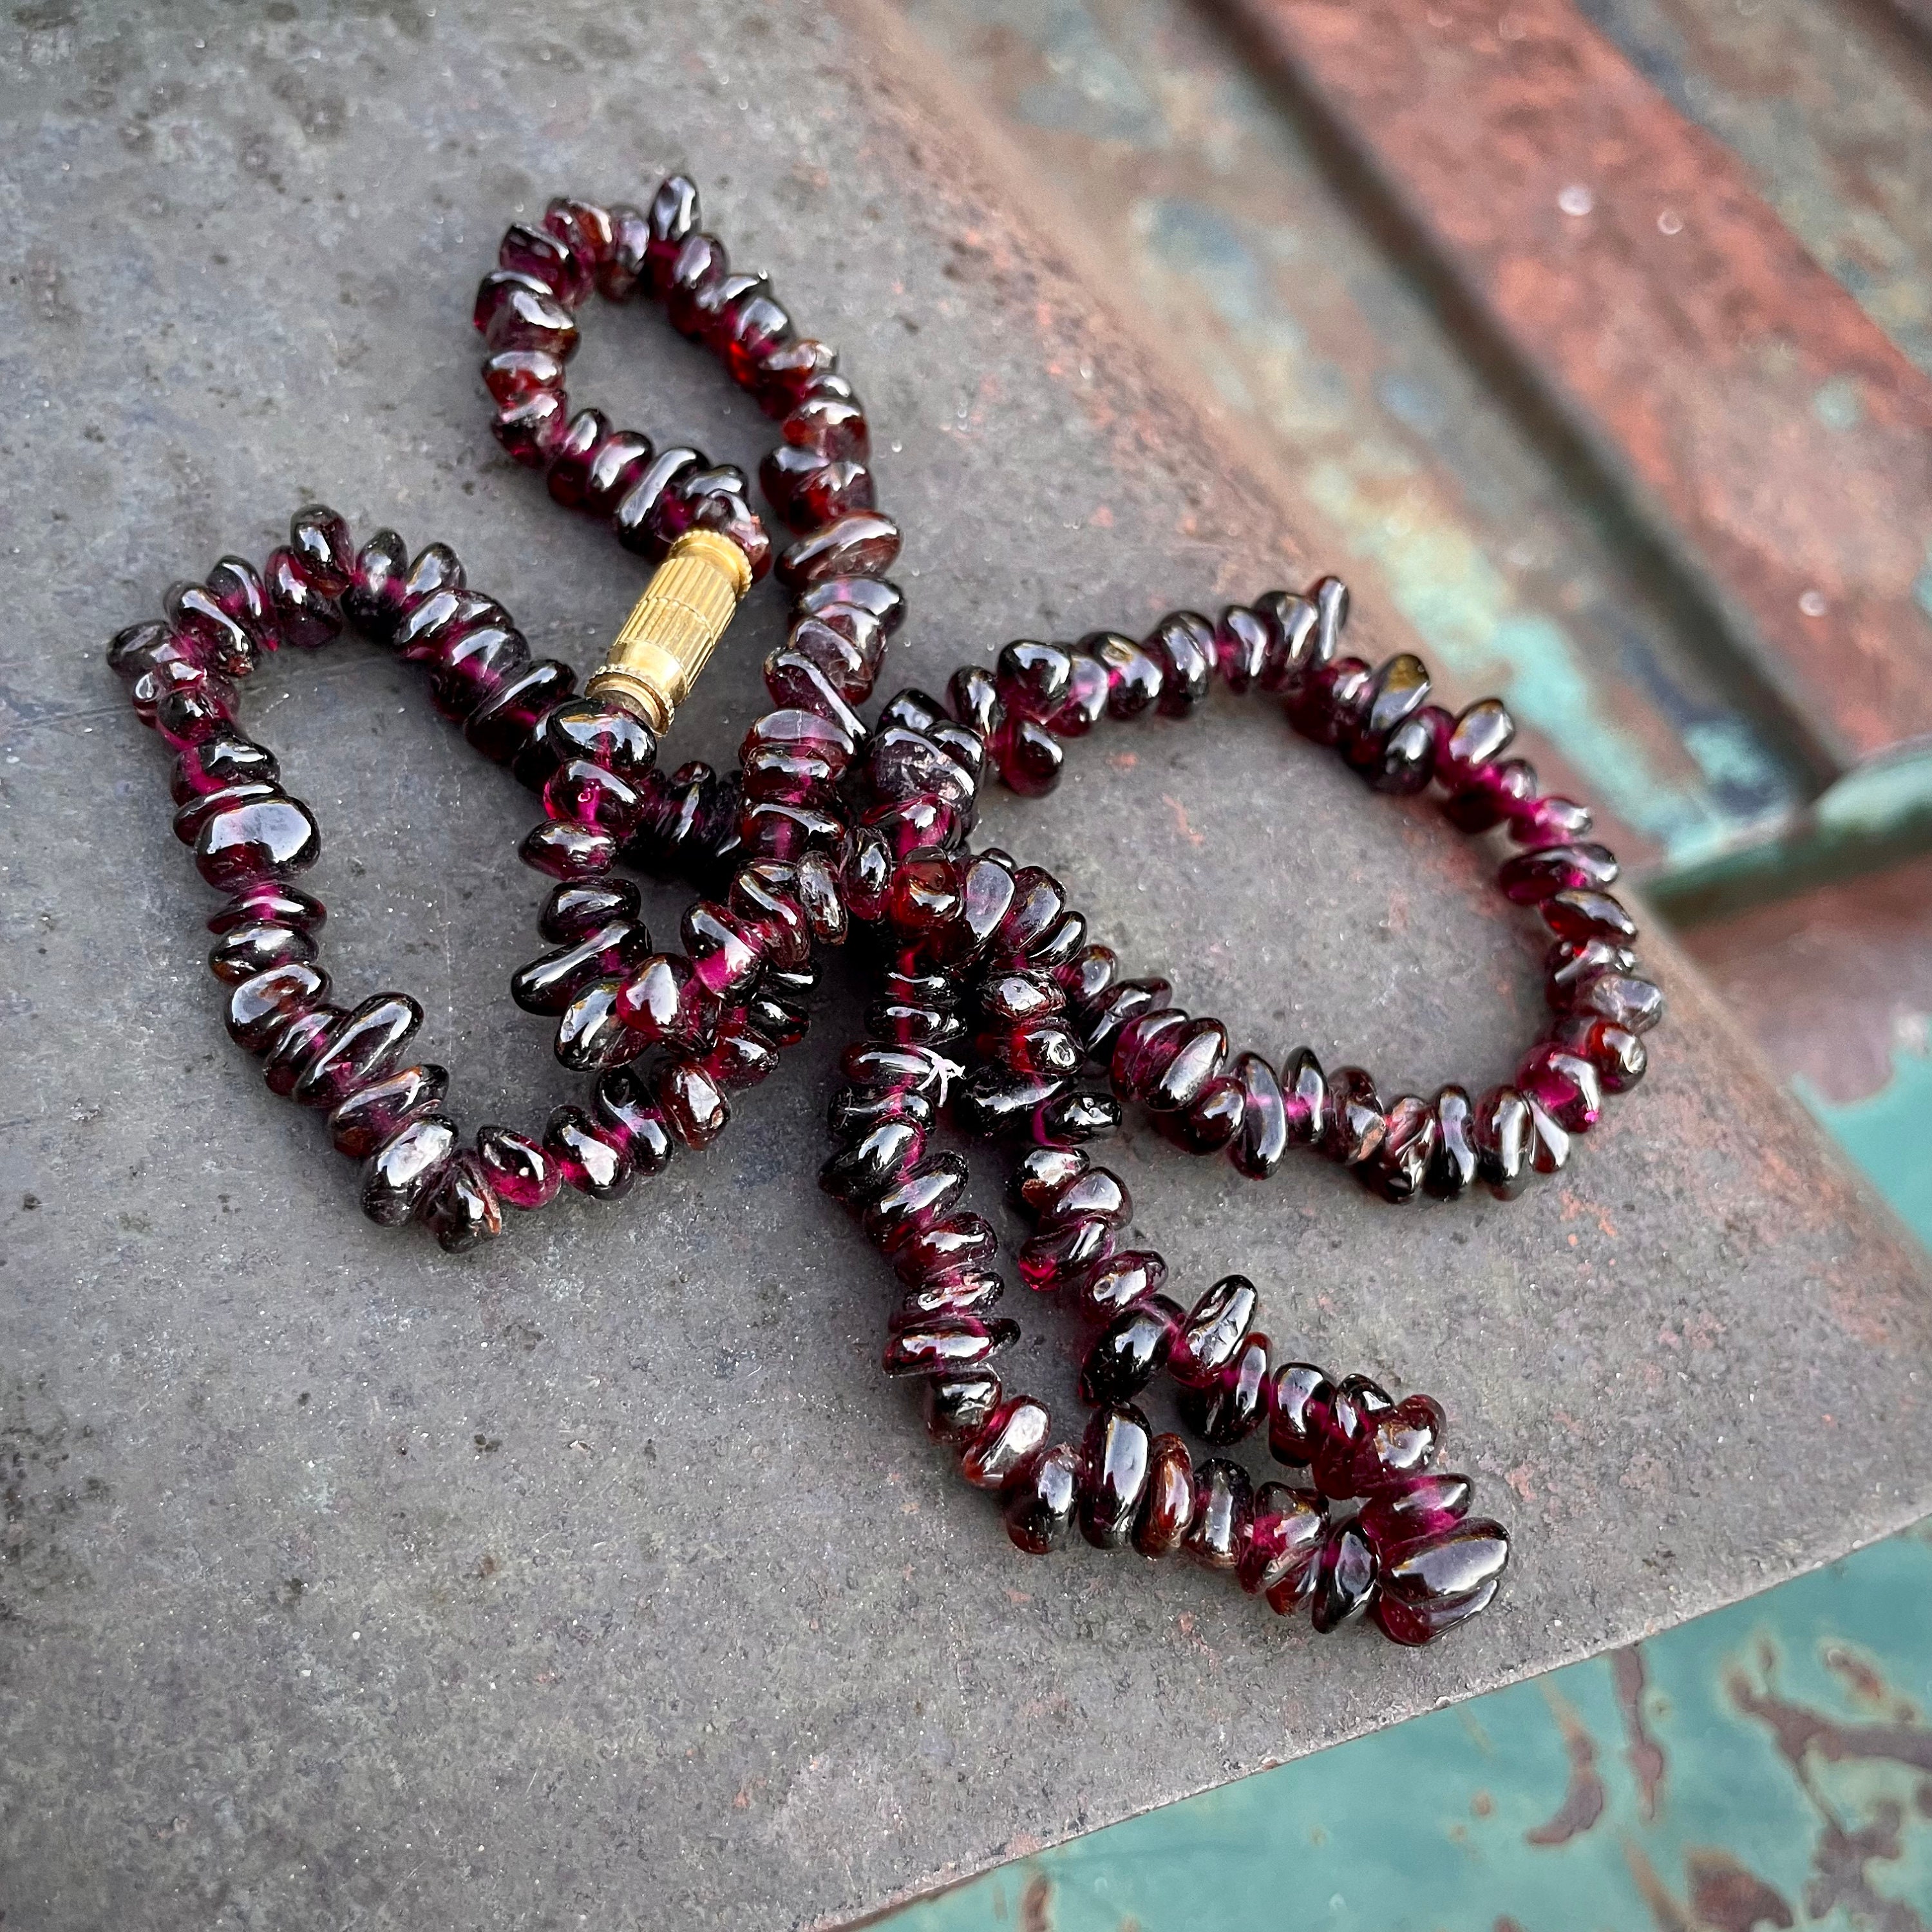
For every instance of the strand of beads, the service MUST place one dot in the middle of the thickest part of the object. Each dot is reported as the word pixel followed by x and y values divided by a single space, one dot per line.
pixel 789 837
pixel 977 956
pixel 1206 1098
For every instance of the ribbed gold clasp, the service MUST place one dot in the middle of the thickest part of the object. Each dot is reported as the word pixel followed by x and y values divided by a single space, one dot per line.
pixel 674 627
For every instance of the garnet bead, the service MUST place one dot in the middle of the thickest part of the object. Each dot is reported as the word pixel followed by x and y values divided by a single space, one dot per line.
pixel 517 1167
pixel 403 1169
pixel 1117 1455
pixel 1007 1445
pixel 1041 1512
pixel 1167 1509
pixel 1224 1511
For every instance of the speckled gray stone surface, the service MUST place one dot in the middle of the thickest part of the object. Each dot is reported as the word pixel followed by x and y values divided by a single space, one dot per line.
pixel 598 1578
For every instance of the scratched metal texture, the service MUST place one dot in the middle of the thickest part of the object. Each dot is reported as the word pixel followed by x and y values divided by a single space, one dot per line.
pixel 1769 1765
pixel 598 1576
pixel 1178 161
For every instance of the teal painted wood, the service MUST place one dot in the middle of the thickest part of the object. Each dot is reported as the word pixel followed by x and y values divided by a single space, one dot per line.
pixel 1769 1764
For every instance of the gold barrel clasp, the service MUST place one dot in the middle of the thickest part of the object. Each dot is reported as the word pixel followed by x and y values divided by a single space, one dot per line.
pixel 674 627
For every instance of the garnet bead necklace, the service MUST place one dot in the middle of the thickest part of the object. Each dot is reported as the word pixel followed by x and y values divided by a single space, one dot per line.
pixel 992 1001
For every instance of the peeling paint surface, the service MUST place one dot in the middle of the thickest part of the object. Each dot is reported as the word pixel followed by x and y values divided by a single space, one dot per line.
pixel 1769 1765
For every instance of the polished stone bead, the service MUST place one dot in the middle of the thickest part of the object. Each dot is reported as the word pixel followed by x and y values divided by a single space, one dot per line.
pixel 1305 1099
pixel 1536 823
pixel 515 375
pixel 872 1161
pixel 1033 679
pixel 260 1007
pixel 1477 737
pixel 320 540
pixel 222 642
pixel 974 700
pixel 373 600
pixel 1199 1050
pixel 296 1043
pixel 967 1290
pixel 1118 1456
pixel 1331 704
pixel 1241 639
pixel 272 904
pixel 752 327
pixel 1040 1174
pixel 798 372
pixel 639 519
pixel 1008 1442
pixel 1297 641
pixel 1449 1564
pixel 1299 1396
pixel 1123 1002
pixel 1130 1350
pixel 532 431
pixel 862 544
pixel 1182 645
pixel 569 851
pixel 1397 690
pixel 548 259
pixel 1167 1502
pixel 574 912
pixel 945 1345
pixel 691 287
pixel 145 647
pixel 925 1195
pixel 1549 1140
pixel 1085 702
pixel 369 1116
pixel 462 1210
pixel 1406 760
pixel 569 475
pixel 190 818
pixel 1027 757
pixel 591 1035
pixel 366 1046
pixel 1619 997
pixel 959 1241
pixel 548 985
pixel 1289 1530
pixel 695 1106
pixel 1260 1140
pixel 1045 1045
pixel 828 427
pixel 994 1101
pixel 1234 1403
pixel 1084 979
pixel 959 1407
pixel 1095 1193
pixel 1396 1169
pixel 1451 1168
pixel 1345 1578
pixel 1211 1335
pixel 304 617
pixel 1415 1624
pixel 1588 915
pixel 580 793
pixel 1503 1134
pixel 1533 876
pixel 1395 1446
pixel 1342 1423
pixel 400 1172
pixel 628 1113
pixel 1565 1085
pixel 501 727
pixel 1619 1055
pixel 582 226
pixel 673 215
pixel 1072 1118
pixel 895 1069
pixel 517 1167
pixel 1421 1505
pixel 1016 997
pixel 1493 792
pixel 522 314
pixel 1224 1514
pixel 1061 1256
pixel 1135 678
pixel 1355 1126
pixel 1041 1512
pixel 585 1156
pixel 1120 1281
pixel 1143 1048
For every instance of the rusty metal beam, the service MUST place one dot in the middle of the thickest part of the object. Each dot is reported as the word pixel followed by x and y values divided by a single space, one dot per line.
pixel 1624 261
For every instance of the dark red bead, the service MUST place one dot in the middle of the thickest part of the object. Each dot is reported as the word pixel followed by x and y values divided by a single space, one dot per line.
pixel 304 616
pixel 1295 634
pixel 1130 1350
pixel 1299 1397
pixel 957 1408
pixel 1345 1578
pixel 585 1156
pixel 1533 876
pixel 961 1241
pixel 628 1113
pixel 274 904
pixel 532 431
pixel 925 1195
pixel 569 851
pixel 946 1344
pixel 1182 645
pixel 1134 676
pixel 296 1043
pixel 1451 1564
pixel 1235 1403
pixel 1451 1168
pixel 1122 1003
pixel 371 1114
pixel 245 950
pixel 522 314
pixel 1041 1512
pixel 674 216
pixel 1260 1140
pixel 1305 1099
pixel 1224 1513
pixel 515 375
pixel 1211 1335
pixel 1120 1281
pixel 548 985
pixel 1355 1127
pixel 1398 689
pixel 400 1172
pixel 1618 1055
pixel 1549 821
pixel 872 1160
pixel 1341 1424
pixel 500 728
pixel 1503 1134
pixel 258 1008
pixel 518 1169
pixel 1332 703
pixel 1549 1140
pixel 190 818
pixel 547 259
pixel 1565 1085
pixel 590 1035
pixel 1621 998
pixel 1241 647
pixel 862 544
pixel 1143 1048
pixel 223 642
pixel 1478 737
pixel 462 1210
pixel 1199 1049
pixel 1027 757
pixel 1417 1506
pixel 1416 1624
pixel 695 1106
pixel 1117 1455
pixel 1167 1502
pixel 1009 1441
pixel 1397 1168
pixel 796 373
pixel 1588 915
pixel 1492 794
pixel 1396 1445
pixel 1279 1562
pixel 364 1048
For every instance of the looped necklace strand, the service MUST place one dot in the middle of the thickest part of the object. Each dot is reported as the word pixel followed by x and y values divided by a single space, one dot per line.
pixel 992 999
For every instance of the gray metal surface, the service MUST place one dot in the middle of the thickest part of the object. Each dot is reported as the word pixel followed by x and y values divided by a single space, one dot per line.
pixel 598 1580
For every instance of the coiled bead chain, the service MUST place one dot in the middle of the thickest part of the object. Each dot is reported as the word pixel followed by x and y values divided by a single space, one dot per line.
pixel 993 1000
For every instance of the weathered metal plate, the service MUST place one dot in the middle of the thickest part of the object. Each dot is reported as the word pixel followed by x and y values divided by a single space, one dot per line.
pixel 1625 257
pixel 602 1578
